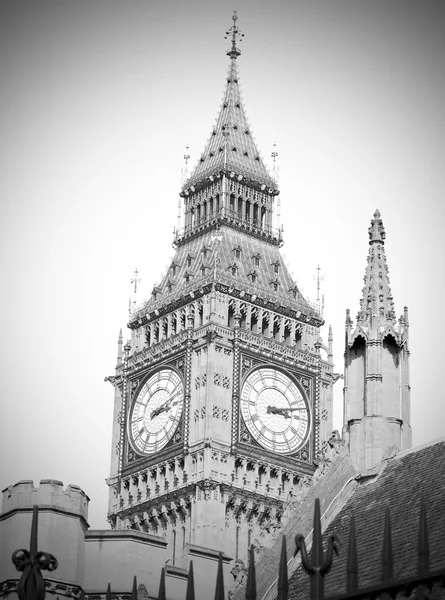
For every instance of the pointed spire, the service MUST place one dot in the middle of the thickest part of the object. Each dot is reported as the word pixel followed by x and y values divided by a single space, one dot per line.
pixel 108 594
pixel 330 345
pixel 234 31
pixel 352 564
pixel 376 305
pixel 405 316
pixel 283 583
pixel 231 147
pixel 190 595
pixel 219 589
pixel 251 577
pixel 119 347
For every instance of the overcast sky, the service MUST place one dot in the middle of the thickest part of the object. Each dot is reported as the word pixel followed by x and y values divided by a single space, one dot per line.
pixel 98 101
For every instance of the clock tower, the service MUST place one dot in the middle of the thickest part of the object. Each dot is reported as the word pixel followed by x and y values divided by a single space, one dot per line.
pixel 223 395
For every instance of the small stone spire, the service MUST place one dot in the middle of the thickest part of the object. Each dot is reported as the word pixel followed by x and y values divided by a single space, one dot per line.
pixel 119 347
pixel 330 345
pixel 234 31
pixel 376 391
pixel 376 305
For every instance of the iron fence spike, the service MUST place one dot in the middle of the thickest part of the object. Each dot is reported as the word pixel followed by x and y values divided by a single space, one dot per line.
pixel 283 582
pixel 387 555
pixel 251 577
pixel 134 591
pixel 219 589
pixel 190 595
pixel 34 527
pixel 317 543
pixel 161 593
pixel 424 551
pixel 352 563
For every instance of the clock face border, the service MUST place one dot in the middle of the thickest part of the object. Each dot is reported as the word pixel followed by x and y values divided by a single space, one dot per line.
pixel 156 411
pixel 275 388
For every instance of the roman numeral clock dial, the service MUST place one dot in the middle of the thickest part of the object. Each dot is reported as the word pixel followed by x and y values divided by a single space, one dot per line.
pixel 275 411
pixel 156 412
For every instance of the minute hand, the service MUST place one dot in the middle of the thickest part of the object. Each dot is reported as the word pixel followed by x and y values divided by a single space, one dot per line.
pixel 281 411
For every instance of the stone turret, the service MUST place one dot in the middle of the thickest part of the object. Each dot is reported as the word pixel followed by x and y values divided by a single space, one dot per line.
pixel 62 525
pixel 377 390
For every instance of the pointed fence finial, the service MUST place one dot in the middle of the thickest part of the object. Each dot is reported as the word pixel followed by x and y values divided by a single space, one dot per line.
pixel 190 595
pixel 283 583
pixel 423 550
pixel 161 593
pixel 233 32
pixel 219 589
pixel 31 585
pixel 134 591
pixel 387 555
pixel 251 577
pixel 352 564
pixel 318 566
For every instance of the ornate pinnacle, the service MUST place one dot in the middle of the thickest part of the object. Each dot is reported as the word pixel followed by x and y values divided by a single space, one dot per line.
pixel 319 565
pixel 234 52
pixel 377 231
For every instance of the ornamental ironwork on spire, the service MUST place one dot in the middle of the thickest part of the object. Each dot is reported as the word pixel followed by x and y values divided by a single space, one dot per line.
pixel 231 148
pixel 376 305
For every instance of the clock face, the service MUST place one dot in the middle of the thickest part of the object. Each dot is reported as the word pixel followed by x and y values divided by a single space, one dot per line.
pixel 275 411
pixel 156 411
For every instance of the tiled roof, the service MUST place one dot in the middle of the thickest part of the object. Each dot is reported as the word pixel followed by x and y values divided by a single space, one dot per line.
pixel 231 146
pixel 407 477
pixel 249 248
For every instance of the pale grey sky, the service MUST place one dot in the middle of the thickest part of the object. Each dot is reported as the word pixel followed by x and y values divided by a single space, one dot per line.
pixel 98 102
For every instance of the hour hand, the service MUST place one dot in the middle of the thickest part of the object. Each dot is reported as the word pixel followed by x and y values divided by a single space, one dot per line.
pixel 159 410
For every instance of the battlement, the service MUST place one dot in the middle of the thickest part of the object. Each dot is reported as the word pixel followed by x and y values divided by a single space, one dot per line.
pixel 50 494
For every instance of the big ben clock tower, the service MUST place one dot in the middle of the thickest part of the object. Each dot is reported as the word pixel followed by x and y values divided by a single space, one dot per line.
pixel 223 395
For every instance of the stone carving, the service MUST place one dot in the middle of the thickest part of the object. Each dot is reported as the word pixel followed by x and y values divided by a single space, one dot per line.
pixel 207 486
pixel 239 573
pixel 142 592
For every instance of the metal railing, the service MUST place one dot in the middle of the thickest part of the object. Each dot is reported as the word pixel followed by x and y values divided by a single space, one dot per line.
pixel 317 565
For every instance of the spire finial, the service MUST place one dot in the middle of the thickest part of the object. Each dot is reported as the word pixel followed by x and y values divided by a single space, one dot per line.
pixel 234 31
pixel 136 280
pixel 377 231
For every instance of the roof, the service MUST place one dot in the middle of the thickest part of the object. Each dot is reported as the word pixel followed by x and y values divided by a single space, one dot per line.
pixel 231 146
pixel 407 477
pixel 238 260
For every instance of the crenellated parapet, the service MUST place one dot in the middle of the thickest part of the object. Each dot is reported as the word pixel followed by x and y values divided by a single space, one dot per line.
pixel 49 494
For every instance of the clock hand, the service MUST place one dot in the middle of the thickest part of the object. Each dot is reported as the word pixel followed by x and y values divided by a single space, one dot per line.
pixel 164 408
pixel 158 411
pixel 281 411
